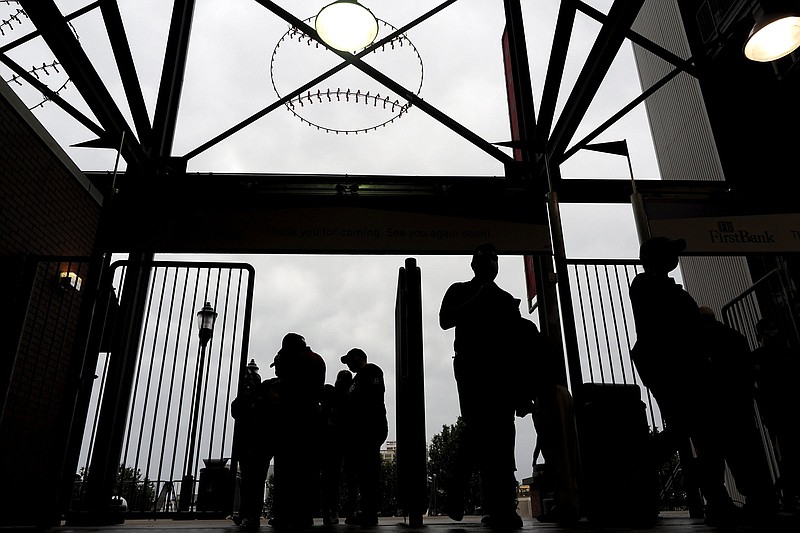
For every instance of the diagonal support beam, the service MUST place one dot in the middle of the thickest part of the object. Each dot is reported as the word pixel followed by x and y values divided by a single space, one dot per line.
pixel 620 18
pixel 127 69
pixel 303 88
pixel 687 66
pixel 409 95
pixel 34 34
pixel 62 42
pixel 52 96
pixel 522 112
pixel 621 113
pixel 169 91
pixel 555 69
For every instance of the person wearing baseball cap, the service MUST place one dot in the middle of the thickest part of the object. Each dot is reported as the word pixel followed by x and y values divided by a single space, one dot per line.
pixel 668 356
pixel 666 318
pixel 365 430
pixel 661 252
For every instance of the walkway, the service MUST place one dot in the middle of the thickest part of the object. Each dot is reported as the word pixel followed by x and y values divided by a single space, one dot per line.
pixel 670 522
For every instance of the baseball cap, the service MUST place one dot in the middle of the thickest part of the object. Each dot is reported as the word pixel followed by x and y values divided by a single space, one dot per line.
pixel 352 354
pixel 657 248
pixel 292 342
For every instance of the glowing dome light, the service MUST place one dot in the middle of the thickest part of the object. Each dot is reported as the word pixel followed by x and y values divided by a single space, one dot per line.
pixel 346 25
pixel 774 36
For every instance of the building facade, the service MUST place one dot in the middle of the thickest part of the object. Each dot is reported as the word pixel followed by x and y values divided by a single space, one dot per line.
pixel 722 124
pixel 49 214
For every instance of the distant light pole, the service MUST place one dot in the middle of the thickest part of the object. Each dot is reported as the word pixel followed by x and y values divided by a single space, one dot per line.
pixel 205 323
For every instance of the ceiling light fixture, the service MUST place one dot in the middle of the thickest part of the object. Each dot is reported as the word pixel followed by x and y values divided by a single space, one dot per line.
pixel 775 34
pixel 346 25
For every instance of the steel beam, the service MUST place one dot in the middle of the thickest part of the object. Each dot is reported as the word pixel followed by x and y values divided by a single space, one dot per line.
pixel 62 42
pixel 169 92
pixel 608 42
pixel 127 69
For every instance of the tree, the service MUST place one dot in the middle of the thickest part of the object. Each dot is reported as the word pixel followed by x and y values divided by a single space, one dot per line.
pixel 441 468
pixel 388 487
pixel 269 503
pixel 139 493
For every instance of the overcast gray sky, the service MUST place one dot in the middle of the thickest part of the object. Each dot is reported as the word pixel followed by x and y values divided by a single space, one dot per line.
pixel 234 68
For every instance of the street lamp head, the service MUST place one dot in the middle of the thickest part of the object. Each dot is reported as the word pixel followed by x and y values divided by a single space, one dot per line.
pixel 346 25
pixel 205 322
pixel 775 34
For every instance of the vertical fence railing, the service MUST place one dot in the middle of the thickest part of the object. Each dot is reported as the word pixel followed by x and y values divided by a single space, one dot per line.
pixel 174 380
pixel 604 324
pixel 771 297
pixel 606 331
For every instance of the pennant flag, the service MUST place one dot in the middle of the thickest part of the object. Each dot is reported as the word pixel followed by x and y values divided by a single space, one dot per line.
pixel 613 147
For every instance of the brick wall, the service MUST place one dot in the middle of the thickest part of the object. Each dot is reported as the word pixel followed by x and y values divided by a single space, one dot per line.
pixel 47 208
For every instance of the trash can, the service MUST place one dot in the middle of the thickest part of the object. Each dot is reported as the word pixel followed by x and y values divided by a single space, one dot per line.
pixel 541 491
pixel 620 484
pixel 216 487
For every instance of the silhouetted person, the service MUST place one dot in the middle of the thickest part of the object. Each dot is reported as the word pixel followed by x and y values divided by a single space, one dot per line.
pixel 366 429
pixel 675 365
pixel 333 397
pixel 671 364
pixel 302 375
pixel 729 354
pixel 251 448
pixel 777 368
pixel 733 401
pixel 484 317
pixel 553 413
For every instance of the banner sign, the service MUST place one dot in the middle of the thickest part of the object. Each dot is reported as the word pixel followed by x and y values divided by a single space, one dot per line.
pixel 513 220
pixel 717 226
pixel 351 229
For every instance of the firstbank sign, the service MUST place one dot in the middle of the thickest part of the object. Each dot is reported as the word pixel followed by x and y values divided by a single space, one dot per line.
pixel 726 233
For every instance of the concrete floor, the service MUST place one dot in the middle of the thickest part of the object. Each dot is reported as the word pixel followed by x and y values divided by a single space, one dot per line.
pixel 669 522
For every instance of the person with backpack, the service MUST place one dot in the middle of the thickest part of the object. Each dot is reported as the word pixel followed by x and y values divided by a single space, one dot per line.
pixel 552 409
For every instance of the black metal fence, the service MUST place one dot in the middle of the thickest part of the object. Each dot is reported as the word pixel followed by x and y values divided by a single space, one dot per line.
pixel 606 332
pixel 604 325
pixel 177 444
pixel 772 297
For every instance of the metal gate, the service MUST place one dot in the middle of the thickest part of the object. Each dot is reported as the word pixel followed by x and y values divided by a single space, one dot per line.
pixel 172 390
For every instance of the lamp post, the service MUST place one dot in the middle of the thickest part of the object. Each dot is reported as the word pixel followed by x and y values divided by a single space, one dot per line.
pixel 205 323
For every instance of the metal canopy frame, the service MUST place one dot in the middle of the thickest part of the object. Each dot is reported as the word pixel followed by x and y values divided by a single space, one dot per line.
pixel 148 150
